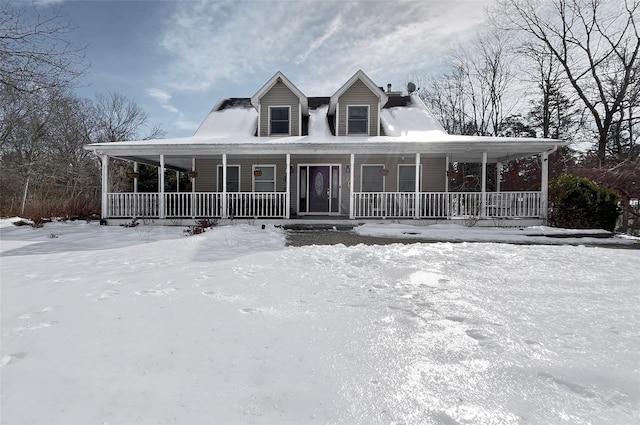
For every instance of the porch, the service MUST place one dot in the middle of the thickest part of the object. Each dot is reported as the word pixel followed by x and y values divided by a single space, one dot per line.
pixel 393 205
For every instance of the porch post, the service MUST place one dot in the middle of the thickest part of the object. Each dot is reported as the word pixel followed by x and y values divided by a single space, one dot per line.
pixel 287 196
pixel 416 206
pixel 193 190
pixel 224 212
pixel 178 181
pixel 135 181
pixel 483 209
pixel 161 212
pixel 498 169
pixel 544 186
pixel 352 163
pixel 446 174
pixel 105 187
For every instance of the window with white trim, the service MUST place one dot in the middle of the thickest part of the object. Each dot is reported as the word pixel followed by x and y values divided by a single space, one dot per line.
pixel 371 178
pixel 233 178
pixel 264 178
pixel 358 119
pixel 279 120
pixel 407 178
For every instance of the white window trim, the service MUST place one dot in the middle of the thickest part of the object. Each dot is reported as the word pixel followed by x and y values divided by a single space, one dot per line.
pixel 253 177
pixel 219 182
pixel 368 120
pixel 384 178
pixel 269 120
pixel 398 179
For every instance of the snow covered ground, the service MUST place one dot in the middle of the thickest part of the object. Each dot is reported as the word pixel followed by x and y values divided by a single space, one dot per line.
pixel 113 325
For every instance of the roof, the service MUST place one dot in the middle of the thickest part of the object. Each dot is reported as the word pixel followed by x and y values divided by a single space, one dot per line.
pixel 280 77
pixel 367 82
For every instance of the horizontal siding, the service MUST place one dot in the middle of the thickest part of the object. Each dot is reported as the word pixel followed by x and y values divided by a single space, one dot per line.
pixel 358 94
pixel 433 172
pixel 279 95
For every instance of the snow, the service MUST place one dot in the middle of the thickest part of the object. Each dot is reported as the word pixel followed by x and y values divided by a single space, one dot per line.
pixel 228 123
pixel 318 125
pixel 114 325
pixel 413 121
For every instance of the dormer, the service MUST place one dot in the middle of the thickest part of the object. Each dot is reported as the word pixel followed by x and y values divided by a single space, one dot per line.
pixel 280 107
pixel 356 107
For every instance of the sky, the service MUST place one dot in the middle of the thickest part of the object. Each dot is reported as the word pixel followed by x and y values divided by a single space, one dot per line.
pixel 176 59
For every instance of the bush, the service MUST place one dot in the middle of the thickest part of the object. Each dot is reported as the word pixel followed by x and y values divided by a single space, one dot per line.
pixel 579 203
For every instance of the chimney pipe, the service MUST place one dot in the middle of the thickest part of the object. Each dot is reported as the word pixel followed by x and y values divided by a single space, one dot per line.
pixel 389 88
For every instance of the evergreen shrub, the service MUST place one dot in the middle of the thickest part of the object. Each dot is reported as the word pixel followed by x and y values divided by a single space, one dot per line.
pixel 579 203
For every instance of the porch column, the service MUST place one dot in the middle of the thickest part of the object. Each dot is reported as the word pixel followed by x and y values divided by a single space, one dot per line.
pixel 223 213
pixel 352 163
pixel 193 190
pixel 135 181
pixel 483 209
pixel 544 186
pixel 416 206
pixel 161 212
pixel 446 174
pixel 287 197
pixel 498 169
pixel 178 181
pixel 105 187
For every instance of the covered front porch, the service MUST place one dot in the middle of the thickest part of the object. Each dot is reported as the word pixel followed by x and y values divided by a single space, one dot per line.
pixel 356 185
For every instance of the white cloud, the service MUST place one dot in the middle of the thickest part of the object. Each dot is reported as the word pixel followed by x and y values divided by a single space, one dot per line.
pixel 160 95
pixel 163 98
pixel 318 45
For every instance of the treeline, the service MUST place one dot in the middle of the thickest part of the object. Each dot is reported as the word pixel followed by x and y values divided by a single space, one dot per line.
pixel 44 170
pixel 564 69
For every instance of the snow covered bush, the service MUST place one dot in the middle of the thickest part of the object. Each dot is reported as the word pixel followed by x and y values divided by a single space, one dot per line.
pixel 579 203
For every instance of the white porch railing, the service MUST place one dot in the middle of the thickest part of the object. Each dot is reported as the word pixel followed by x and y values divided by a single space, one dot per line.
pixel 256 204
pixel 197 204
pixel 448 204
pixel 366 205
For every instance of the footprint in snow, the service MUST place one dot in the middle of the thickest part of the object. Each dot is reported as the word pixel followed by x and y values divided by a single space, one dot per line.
pixel 37 313
pixel 12 358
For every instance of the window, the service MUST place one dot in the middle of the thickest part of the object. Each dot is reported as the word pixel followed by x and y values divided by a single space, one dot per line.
pixel 279 120
pixel 264 178
pixel 407 178
pixel 371 178
pixel 358 119
pixel 233 178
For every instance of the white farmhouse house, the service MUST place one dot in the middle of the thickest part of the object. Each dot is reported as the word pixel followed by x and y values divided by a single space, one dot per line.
pixel 362 153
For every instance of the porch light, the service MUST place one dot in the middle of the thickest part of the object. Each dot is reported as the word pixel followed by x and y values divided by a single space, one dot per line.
pixel 384 172
pixel 192 174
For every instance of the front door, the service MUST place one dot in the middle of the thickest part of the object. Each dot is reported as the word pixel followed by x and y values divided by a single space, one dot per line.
pixel 319 189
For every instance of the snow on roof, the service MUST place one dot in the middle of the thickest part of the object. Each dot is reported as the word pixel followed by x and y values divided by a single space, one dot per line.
pixel 413 120
pixel 229 122
pixel 318 125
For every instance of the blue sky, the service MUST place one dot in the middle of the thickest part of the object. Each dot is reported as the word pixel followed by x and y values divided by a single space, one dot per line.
pixel 177 58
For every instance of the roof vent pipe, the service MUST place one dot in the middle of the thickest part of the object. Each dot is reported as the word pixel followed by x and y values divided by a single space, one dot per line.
pixel 389 88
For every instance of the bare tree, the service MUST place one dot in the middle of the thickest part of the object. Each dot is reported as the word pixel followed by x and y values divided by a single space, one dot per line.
pixel 470 97
pixel 120 118
pixel 35 53
pixel 592 40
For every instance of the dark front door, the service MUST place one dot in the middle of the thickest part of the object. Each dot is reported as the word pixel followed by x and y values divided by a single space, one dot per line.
pixel 318 190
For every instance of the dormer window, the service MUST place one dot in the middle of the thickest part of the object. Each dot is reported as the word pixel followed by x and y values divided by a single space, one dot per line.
pixel 358 119
pixel 279 120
